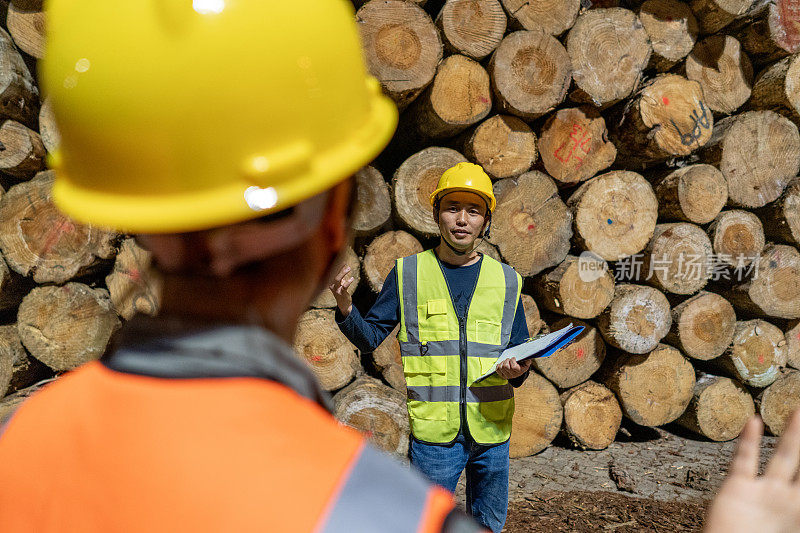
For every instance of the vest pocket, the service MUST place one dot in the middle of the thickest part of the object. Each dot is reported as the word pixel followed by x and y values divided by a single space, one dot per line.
pixel 424 373
pixel 427 410
pixel 487 332
pixel 433 316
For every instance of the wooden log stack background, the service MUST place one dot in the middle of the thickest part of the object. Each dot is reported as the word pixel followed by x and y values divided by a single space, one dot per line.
pixel 645 158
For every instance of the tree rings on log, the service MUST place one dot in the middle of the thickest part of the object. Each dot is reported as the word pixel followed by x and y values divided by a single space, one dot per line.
pixel 724 72
pixel 19 96
pixel 669 117
pixel 758 152
pixel 38 240
pixel 537 416
pixel 377 411
pixel 652 389
pixel 608 49
pixel 21 150
pixel 401 45
pixel 574 145
pixel 382 253
pixel 580 287
pixel 773 288
pixel 592 416
pixel 472 27
pixel 324 347
pixel 678 259
pixel 737 237
pixel 615 214
pixel 414 182
pixel 27 27
pixel 719 409
pixel 702 326
pixel 530 73
pixel 637 318
pixel 66 326
pixel 779 401
pixel 349 258
pixel 778 88
pixel 713 15
pixel 672 29
pixel 531 225
pixel 756 355
pixel 576 362
pixel 503 145
pixel 694 193
pixel 373 206
pixel 553 16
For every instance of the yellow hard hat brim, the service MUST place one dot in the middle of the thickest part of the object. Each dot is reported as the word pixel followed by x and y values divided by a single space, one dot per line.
pixel 438 193
pixel 226 204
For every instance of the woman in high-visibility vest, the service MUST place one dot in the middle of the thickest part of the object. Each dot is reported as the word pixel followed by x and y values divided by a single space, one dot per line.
pixel 457 311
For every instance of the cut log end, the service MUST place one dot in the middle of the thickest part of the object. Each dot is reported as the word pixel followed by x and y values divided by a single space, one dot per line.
pixel 702 326
pixel 537 416
pixel 576 362
pixel 592 416
pixel 324 347
pixel 719 409
pixel 637 318
pixel 382 253
pixel 779 401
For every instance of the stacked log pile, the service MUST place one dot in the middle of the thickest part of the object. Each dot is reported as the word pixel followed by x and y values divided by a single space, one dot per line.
pixel 645 159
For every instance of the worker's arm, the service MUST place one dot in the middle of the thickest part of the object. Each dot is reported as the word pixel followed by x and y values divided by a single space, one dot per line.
pixel 367 332
pixel 519 334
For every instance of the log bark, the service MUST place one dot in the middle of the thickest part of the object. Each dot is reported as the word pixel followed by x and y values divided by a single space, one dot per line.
pixel 25 370
pixel 713 15
pixel 667 118
pixel 737 237
pixel 777 403
pixel 373 206
pixel 388 361
pixel 530 73
pixel 579 286
pixel 652 389
pixel 13 287
pixel 537 416
pixel 672 29
pixel 778 88
pixel 414 181
pixel 377 411
pixel 325 299
pixel 401 45
pixel 38 240
pixel 592 416
pixel 770 33
pixel 678 258
pixel 66 326
pixel 781 218
pixel 503 145
pixel 792 338
pixel 758 152
pixel 637 318
pixel 11 352
pixel 609 49
pixel 615 214
pixel 48 129
pixel 756 354
pixel 773 288
pixel 21 151
pixel 459 97
pixel 724 72
pixel 574 145
pixel 702 326
pixel 327 351
pixel 134 285
pixel 553 16
pixel 576 362
pixel 531 226
pixel 532 317
pixel 27 27
pixel 382 253
pixel 694 193
pixel 473 28
pixel 19 96
pixel 719 409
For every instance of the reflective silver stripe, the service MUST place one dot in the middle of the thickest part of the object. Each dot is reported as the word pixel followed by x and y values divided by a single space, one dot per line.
pixel 494 393
pixel 379 494
pixel 449 393
pixel 510 305
pixel 479 349
pixel 410 311
pixel 429 348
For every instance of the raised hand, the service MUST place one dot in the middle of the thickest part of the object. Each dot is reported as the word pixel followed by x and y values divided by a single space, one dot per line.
pixel 339 287
pixel 770 503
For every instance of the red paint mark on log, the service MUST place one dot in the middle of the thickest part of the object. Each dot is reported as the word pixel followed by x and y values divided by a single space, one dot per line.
pixel 665 100
pixel 788 32
pixel 531 227
pixel 55 233
pixel 484 100
pixel 761 358
pixel 316 358
pixel 580 353
pixel 798 335
pixel 368 434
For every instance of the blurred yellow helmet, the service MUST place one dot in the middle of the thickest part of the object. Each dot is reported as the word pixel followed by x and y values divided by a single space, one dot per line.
pixel 181 115
pixel 465 177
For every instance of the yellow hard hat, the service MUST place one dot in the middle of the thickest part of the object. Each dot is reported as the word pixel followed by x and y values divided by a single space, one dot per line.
pixel 179 115
pixel 465 177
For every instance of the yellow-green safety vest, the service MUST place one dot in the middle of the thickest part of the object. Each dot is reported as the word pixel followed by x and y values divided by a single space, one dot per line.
pixel 443 355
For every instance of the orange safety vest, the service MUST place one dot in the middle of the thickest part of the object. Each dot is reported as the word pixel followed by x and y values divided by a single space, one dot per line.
pixel 104 451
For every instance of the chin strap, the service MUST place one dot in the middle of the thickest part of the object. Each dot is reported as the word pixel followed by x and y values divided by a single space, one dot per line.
pixel 483 235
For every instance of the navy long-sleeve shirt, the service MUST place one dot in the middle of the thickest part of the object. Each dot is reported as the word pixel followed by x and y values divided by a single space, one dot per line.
pixel 367 332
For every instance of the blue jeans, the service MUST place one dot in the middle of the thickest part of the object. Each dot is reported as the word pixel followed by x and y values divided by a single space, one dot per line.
pixel 487 475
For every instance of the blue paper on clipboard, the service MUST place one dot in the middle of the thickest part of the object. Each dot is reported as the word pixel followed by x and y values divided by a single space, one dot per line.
pixel 540 346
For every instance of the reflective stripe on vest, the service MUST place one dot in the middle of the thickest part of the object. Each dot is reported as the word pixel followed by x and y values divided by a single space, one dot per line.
pixel 432 347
